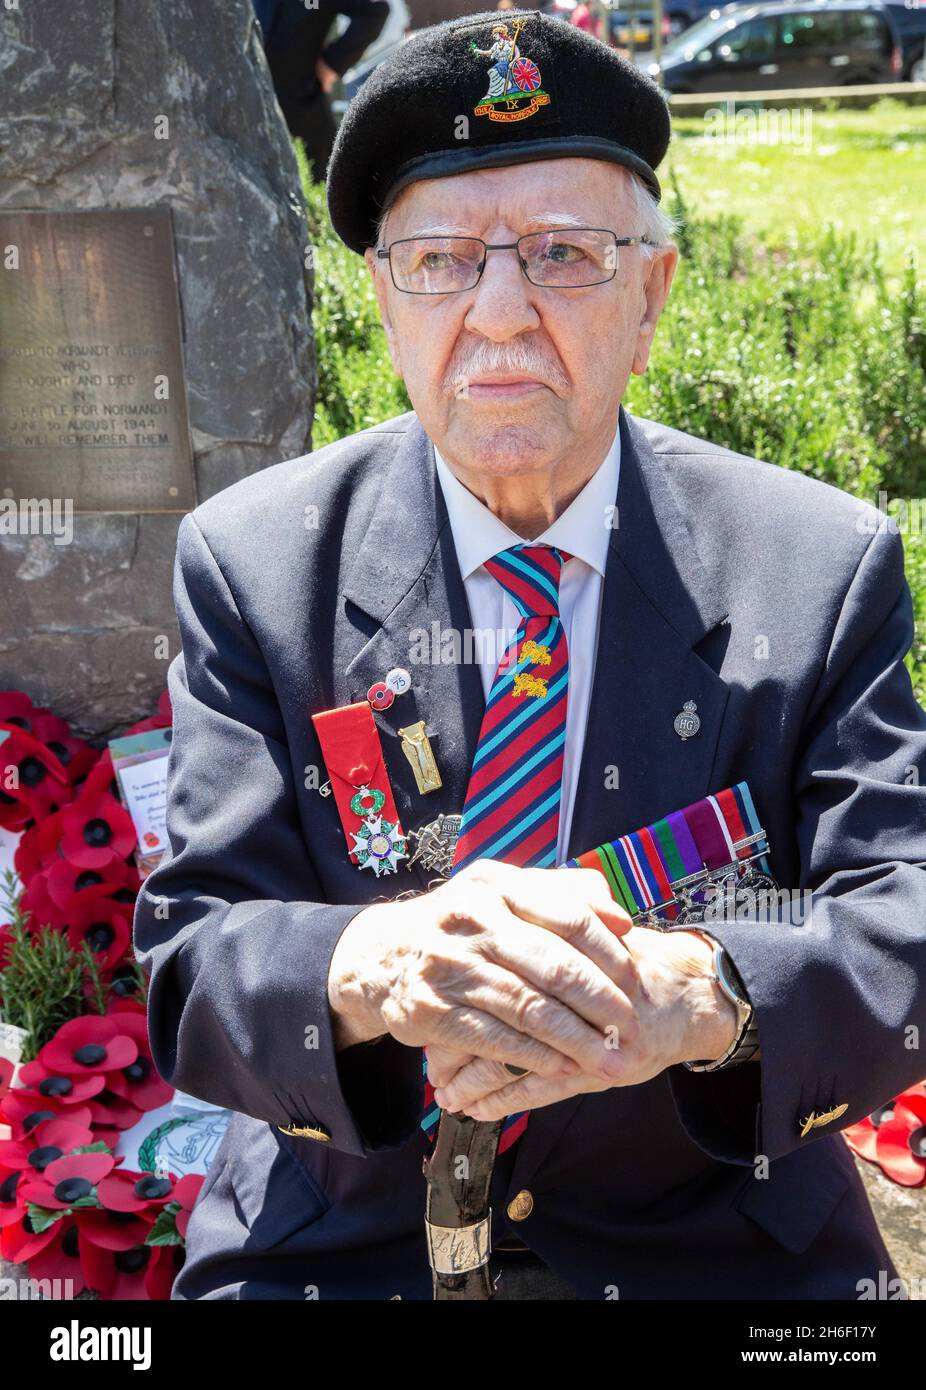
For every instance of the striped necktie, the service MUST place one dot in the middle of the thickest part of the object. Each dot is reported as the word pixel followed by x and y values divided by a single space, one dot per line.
pixel 511 811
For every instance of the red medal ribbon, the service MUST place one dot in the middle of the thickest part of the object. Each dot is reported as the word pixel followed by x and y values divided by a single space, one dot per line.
pixel 353 759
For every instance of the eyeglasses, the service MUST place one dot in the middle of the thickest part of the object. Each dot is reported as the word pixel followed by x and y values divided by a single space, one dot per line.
pixel 566 259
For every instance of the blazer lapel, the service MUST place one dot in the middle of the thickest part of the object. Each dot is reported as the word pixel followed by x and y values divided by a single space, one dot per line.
pixel 406 578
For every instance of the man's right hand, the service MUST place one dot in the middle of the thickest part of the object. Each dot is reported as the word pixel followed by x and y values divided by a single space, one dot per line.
pixel 524 966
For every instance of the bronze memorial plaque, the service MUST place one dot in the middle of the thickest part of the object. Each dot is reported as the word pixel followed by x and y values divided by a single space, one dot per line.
pixel 92 392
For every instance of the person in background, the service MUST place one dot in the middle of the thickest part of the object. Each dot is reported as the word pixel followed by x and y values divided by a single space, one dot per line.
pixel 584 18
pixel 304 66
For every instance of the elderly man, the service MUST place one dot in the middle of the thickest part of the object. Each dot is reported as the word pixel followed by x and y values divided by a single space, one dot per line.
pixel 372 815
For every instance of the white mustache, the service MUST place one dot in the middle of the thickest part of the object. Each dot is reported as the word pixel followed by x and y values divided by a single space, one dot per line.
pixel 513 357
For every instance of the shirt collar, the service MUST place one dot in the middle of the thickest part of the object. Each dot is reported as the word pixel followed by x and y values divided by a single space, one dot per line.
pixel 583 529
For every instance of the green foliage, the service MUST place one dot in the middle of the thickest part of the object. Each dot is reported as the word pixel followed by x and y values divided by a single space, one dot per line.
pixel 357 386
pixel 801 350
pixel 40 1218
pixel 852 168
pixel 805 355
pixel 44 982
pixel 164 1231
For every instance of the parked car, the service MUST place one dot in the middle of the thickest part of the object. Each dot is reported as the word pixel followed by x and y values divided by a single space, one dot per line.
pixel 683 13
pixel 910 22
pixel 822 43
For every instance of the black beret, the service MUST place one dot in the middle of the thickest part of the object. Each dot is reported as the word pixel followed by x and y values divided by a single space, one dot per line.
pixel 436 107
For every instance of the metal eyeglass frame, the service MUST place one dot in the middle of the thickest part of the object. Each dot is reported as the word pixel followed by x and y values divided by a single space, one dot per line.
pixel 384 253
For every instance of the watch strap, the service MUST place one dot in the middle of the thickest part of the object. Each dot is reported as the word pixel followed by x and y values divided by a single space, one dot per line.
pixel 746 1043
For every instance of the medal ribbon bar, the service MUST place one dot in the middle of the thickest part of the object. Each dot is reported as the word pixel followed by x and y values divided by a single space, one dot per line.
pixel 659 873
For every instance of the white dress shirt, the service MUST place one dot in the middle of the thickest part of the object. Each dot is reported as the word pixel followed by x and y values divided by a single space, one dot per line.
pixel 583 529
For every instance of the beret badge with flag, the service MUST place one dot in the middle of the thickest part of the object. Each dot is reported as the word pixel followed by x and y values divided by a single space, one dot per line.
pixel 514 91
pixel 486 91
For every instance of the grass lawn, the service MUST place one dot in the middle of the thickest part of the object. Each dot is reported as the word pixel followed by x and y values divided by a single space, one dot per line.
pixel 861 171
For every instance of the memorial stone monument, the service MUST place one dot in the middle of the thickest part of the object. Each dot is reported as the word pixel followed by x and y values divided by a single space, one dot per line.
pixel 155 326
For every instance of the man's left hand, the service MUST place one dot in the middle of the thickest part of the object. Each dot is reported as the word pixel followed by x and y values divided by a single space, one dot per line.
pixel 683 1017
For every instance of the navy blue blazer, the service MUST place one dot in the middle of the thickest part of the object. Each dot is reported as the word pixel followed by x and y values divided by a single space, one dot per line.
pixel 779 606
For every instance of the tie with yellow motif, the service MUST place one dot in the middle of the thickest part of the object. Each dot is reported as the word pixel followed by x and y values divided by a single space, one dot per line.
pixel 512 805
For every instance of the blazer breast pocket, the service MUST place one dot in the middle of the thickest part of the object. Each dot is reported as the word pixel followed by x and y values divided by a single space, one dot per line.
pixel 275 1193
pixel 799 1196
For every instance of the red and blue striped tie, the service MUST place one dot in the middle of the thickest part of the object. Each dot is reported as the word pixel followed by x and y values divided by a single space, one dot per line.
pixel 511 811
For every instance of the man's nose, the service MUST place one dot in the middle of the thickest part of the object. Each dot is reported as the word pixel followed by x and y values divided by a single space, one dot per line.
pixel 503 300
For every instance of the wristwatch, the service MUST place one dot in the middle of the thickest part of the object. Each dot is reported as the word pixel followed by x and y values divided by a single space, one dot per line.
pixel 745 1044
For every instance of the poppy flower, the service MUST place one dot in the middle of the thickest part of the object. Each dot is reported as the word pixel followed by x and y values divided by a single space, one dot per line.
pixel 12 1205
pixel 137 1192
pixel 64 880
pixel 894 1137
pixel 38 847
pixel 103 924
pixel 36 1080
pixel 21 1241
pixel 118 1274
pixel 40 782
pixel 23 1113
pixel 59 1258
pixel 6 1076
pixel 127 1006
pixel 50 1139
pixel 74 754
pixel 115 1230
pixel 124 985
pixel 96 829
pixel 186 1192
pixel 16 708
pixel 65 1180
pixel 139 1082
pixel 93 904
pixel 108 1109
pixel 141 1085
pixel 90 1043
pixel 109 1137
pixel 38 906
pixel 101 778
pixel 162 1271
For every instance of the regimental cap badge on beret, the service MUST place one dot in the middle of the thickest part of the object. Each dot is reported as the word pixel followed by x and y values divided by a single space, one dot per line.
pixel 515 90
pixel 485 91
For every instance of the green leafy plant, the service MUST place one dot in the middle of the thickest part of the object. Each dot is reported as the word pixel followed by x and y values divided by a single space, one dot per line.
pixel 44 982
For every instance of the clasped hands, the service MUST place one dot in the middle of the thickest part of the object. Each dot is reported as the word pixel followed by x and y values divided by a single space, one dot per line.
pixel 532 968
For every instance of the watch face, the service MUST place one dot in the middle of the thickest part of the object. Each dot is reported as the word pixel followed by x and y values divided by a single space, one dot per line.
pixel 732 977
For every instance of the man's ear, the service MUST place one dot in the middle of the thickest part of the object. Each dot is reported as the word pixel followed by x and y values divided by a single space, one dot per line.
pixel 378 271
pixel 655 293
